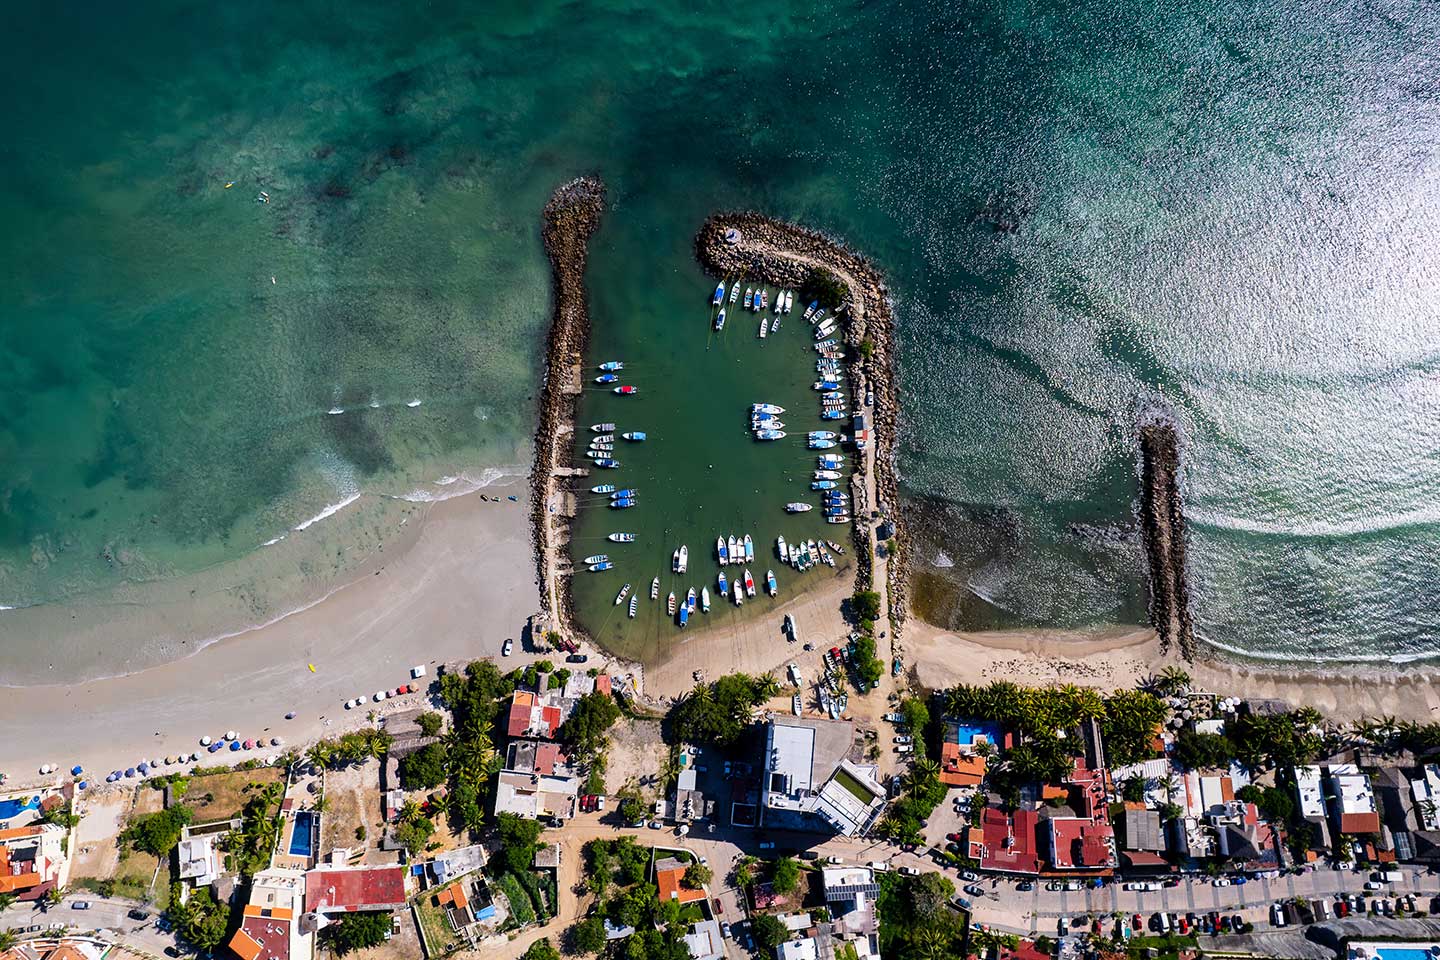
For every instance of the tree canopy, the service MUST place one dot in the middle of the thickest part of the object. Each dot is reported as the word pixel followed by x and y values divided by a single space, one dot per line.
pixel 717 713
pixel 356 931
pixel 473 698
pixel 822 285
pixel 518 841
pixel 769 931
pixel 1203 751
pixel 200 921
pixel 786 875
pixel 424 769
pixel 542 949
pixel 158 833
pixel 866 604
pixel 589 935
pixel 586 726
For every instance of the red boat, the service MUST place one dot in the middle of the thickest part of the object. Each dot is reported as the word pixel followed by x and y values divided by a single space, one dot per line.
pixel 625 391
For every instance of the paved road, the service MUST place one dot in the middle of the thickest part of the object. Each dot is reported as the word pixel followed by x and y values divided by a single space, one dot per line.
pixel 108 915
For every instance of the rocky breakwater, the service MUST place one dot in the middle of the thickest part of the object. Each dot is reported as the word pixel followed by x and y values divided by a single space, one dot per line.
pixel 785 255
pixel 1162 520
pixel 569 219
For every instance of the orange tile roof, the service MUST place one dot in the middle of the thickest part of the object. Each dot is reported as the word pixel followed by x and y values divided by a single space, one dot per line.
pixel 959 768
pixel 11 882
pixel 66 951
pixel 244 945
pixel 1050 791
pixel 15 833
pixel 672 887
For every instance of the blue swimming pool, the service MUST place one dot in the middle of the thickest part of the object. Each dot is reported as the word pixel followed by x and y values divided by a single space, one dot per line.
pixel 1397 952
pixel 16 806
pixel 967 730
pixel 302 838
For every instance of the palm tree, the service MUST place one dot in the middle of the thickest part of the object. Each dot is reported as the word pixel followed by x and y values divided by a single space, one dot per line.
pixel 320 754
pixel 766 686
pixel 922 772
pixel 8 939
pixel 410 812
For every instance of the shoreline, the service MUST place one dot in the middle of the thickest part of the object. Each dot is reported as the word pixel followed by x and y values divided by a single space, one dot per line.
pixel 783 254
pixel 569 219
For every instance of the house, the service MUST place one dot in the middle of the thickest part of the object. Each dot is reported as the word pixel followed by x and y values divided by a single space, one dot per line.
pixel 349 889
pixel 534 714
pixel 704 941
pixel 962 761
pixel 1144 843
pixel 465 902
pixel 1006 842
pixel 273 925
pixel 63 949
pixel 1087 841
pixel 689 803
pixel 1353 801
pixel 1409 802
pixel 1310 803
pixel 536 797
pixel 1247 839
pixel 670 882
pixel 199 863
pixel 851 894
pixel 33 860
pixel 805 949
pixel 808 783
pixel 536 756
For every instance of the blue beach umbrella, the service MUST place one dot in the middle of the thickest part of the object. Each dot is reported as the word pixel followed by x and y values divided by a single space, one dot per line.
pixel 76 770
pixel 234 745
pixel 84 785
pixel 129 771
pixel 143 768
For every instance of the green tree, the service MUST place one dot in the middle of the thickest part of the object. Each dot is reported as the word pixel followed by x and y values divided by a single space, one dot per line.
pixel 1203 751
pixel 786 875
pixel 1133 789
pixel 929 892
pixel 415 834
pixel 8 939
pixel 357 931
pixel 158 833
pixel 586 726
pixel 717 713
pixel 823 286
pixel 518 841
pixel 866 604
pixel 632 808
pixel 201 921
pixel 697 875
pixel 541 949
pixel 425 768
pixel 769 931
pixel 430 723
pixel 590 935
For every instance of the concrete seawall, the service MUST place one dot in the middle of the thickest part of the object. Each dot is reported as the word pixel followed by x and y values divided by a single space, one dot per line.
pixel 569 219
pixel 783 254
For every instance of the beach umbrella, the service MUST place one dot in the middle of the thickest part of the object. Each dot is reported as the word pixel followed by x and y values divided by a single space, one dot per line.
pixel 249 744
pixel 229 734
pixel 234 745
pixel 111 777
pixel 290 715
pixel 169 760
pixel 76 770
pixel 214 747
pixel 274 741
pixel 84 785
pixel 194 757
pixel 144 767
pixel 205 741
pixel 129 771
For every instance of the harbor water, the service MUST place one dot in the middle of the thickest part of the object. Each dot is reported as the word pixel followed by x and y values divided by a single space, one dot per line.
pixel 1089 212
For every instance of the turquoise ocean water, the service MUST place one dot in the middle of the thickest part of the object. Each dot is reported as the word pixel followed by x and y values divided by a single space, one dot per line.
pixel 1089 211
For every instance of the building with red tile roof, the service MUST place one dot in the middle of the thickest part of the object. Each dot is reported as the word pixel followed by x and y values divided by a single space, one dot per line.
pixel 532 716
pixel 1078 843
pixel 1006 842
pixel 32 860
pixel 348 889
pixel 670 879
pixel 270 924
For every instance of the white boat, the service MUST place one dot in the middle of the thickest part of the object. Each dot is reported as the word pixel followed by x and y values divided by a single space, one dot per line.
pixel 796 705
pixel 734 557
pixel 597 558
pixel 799 507
pixel 622 537
pixel 749 548
pixel 705 599
pixel 739 592
pixel 780 548
pixel 721 553
pixel 764 327
pixel 634 605
pixel 824 330
pixel 670 604
pixel 603 438
pixel 655 589
pixel 749 583
pixel 690 599
pixel 681 559
pixel 827 474
pixel 837 519
pixel 602 427
pixel 822 435
pixel 774 324
pixel 789 300
pixel 766 408
pixel 735 292
pixel 596 445
pixel 624 592
pixel 770 584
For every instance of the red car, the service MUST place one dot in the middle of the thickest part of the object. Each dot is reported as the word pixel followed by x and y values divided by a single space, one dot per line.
pixel 587 803
pixel 719 907
pixel 953 836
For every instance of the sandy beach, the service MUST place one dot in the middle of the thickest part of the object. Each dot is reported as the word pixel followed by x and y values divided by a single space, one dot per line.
pixel 462 583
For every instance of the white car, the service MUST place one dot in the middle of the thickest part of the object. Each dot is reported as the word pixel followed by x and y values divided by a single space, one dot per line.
pixel 507 648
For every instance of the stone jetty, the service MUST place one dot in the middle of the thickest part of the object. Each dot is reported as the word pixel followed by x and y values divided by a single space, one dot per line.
pixel 1162 520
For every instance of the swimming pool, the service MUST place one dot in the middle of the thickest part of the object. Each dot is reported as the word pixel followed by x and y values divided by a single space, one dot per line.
pixel 16 806
pixel 1396 951
pixel 302 838
pixel 967 731
pixel 1402 953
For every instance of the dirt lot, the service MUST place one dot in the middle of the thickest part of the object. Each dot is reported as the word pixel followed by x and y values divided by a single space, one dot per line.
pixel 95 850
pixel 352 800
pixel 636 756
pixel 226 792
pixel 404 945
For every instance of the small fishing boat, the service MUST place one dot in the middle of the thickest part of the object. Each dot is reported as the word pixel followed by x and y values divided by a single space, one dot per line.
pixel 704 599
pixel 764 300
pixel 832 395
pixel 624 504
pixel 749 584
pixel 827 474
pixel 612 365
pixel 766 408
pixel 634 436
pixel 798 507
pixel 835 546
pixel 826 347
pixel 624 592
pixel 837 510
pixel 682 558
pixel 690 600
pixel 769 434
pixel 603 438
pixel 821 435
pixel 796 705
pixel 810 310
pixel 655 588
pixel 684 615
pixel 789 300
pixel 670 604
pixel 602 447
pixel 607 378
pixel 825 385
pixel 780 548
pixel 597 567
pixel 764 327
pixel 770 582
pixel 724 584
pixel 790 628
pixel 837 519
pixel 758 416
pixel 634 605
pixel 597 558
pixel 720 320
pixel 821 444
pixel 627 493
pixel 832 415
pixel 607 464
pixel 735 292
pixel 625 391
pixel 603 488
pixel 734 554
pixel 818 314
pixel 739 593
pixel 758 425
pixel 719 295
pixel 749 548
pixel 602 427
pixel 824 330
pixel 774 324
pixel 621 537
pixel 830 461
pixel 721 551
pixel 749 298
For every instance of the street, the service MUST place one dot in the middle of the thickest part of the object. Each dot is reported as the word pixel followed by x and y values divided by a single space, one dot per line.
pixel 108 915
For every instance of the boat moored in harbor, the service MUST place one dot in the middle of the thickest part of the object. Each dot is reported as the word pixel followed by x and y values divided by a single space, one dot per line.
pixel 612 365
pixel 598 567
pixel 749 548
pixel 597 558
pixel 720 320
pixel 624 592
pixel 635 436
pixel 719 295
pixel 603 488
pixel 670 604
pixel 690 600
pixel 602 428
pixel 770 582
pixel 625 391
pixel 622 537
pixel 770 434
pixel 655 588
pixel 749 584
pixel 634 605
pixel 798 507
pixel 721 551
pixel 681 559
pixel 607 378
pixel 704 599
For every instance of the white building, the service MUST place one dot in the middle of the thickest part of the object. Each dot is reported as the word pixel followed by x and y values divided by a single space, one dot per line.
pixel 199 862
pixel 808 783
pixel 1426 794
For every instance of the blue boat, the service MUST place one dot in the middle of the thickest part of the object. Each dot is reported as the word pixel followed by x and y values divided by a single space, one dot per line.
pixel 832 395
pixel 830 463
pixel 607 464
pixel 635 435
pixel 823 485
pixel 612 365
pixel 821 444
pixel 720 320
pixel 607 378
pixel 603 488
pixel 835 511
pixel 769 434
pixel 724 553
pixel 749 298
pixel 684 614
pixel 832 415
pixel 626 494
pixel 724 584
pixel 621 504
pixel 826 385
pixel 719 295
pixel 603 565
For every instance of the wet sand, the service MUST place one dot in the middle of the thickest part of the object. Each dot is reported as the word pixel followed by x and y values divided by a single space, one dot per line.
pixel 463 583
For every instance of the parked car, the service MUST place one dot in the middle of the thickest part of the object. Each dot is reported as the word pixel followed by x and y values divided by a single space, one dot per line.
pixel 968 874
pixel 725 930
pixel 507 648
pixel 954 836
pixel 903 740
pixel 1025 885
pixel 809 855
pixel 1373 885
pixel 80 905
pixel 910 871
pixel 137 914
pixel 577 658
pixel 905 748
pixel 657 825
pixel 1277 915
pixel 974 890
pixel 1237 922
pixel 961 903
pixel 719 907
pixel 1221 881
pixel 767 844
pixel 834 860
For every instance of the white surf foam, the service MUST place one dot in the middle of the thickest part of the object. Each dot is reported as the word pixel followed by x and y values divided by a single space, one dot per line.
pixel 273 540
pixel 335 410
pixel 1428 516
pixel 412 403
pixel 329 511
pixel 459 486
